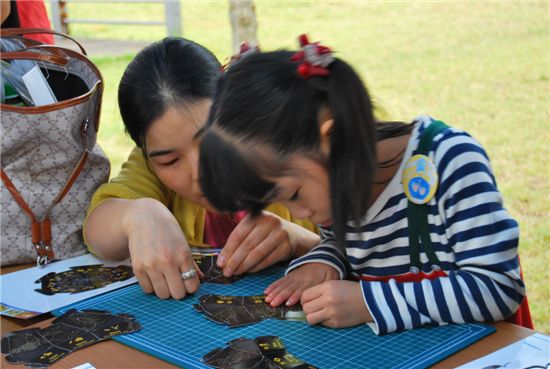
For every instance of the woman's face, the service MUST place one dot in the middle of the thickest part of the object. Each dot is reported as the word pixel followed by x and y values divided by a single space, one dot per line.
pixel 173 152
pixel 305 190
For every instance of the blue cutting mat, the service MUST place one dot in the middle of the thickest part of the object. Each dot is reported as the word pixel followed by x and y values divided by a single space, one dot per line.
pixel 175 332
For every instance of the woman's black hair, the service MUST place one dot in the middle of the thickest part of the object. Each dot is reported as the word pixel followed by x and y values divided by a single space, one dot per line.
pixel 170 72
pixel 263 102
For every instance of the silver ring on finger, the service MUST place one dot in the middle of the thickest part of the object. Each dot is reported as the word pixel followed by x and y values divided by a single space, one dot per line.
pixel 191 273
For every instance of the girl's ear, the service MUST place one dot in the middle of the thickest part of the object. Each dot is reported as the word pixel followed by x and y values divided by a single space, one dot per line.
pixel 325 130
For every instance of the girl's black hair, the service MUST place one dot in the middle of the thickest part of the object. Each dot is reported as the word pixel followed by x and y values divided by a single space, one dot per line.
pixel 263 102
pixel 170 72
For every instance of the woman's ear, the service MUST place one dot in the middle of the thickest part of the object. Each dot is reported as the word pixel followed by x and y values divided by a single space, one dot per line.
pixel 325 130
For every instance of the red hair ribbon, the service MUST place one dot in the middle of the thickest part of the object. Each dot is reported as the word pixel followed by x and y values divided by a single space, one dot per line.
pixel 314 58
pixel 244 51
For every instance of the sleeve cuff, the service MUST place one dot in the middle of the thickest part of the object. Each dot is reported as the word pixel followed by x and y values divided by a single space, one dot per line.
pixel 299 262
pixel 378 324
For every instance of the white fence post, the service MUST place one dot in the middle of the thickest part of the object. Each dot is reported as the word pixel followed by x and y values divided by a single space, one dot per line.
pixel 172 13
pixel 58 15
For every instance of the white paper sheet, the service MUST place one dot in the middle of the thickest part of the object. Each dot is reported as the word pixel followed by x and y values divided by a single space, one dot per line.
pixel 85 366
pixel 530 352
pixel 18 294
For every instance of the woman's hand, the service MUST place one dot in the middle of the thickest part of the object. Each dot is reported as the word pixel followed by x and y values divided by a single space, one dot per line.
pixel 263 240
pixel 159 250
pixel 336 304
pixel 291 287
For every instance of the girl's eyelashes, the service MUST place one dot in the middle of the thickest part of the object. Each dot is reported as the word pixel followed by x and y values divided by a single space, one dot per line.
pixel 169 162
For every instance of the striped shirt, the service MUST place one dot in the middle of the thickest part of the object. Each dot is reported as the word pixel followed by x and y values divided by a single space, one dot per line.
pixel 472 234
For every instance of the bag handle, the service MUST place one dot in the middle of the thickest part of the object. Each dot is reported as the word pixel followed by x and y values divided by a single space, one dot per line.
pixel 52 49
pixel 29 31
pixel 23 54
pixel 41 231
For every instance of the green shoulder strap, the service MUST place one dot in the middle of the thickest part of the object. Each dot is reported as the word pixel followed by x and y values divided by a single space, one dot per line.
pixel 417 213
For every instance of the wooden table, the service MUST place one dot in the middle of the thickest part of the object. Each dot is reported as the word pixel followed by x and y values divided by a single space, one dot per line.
pixel 113 355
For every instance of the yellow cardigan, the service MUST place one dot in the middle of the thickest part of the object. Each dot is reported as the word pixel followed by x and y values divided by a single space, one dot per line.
pixel 136 180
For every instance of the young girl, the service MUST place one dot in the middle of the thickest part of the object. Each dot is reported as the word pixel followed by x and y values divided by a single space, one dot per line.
pixel 154 209
pixel 410 212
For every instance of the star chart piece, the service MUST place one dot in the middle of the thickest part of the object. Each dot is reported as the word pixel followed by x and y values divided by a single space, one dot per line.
pixel 264 352
pixel 273 348
pixel 212 273
pixel 239 351
pixel 236 311
pixel 82 278
pixel 40 347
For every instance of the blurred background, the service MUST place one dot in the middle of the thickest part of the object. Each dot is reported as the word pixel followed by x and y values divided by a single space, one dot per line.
pixel 482 66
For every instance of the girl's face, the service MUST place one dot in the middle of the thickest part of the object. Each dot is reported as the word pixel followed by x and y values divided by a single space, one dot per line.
pixel 305 190
pixel 173 152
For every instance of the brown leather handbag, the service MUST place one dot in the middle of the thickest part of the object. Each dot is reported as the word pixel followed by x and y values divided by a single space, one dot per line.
pixel 51 163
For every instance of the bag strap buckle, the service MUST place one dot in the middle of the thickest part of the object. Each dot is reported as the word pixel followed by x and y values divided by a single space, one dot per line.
pixel 43 251
pixel 42 241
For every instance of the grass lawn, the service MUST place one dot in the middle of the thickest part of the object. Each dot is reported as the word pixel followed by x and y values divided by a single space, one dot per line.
pixel 480 66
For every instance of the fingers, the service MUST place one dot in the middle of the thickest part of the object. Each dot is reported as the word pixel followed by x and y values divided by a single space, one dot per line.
pixel 234 240
pixel 164 278
pixel 160 285
pixel 199 271
pixel 273 285
pixel 266 253
pixel 308 295
pixel 336 304
pixel 176 288
pixel 265 243
pixel 294 298
pixel 314 307
pixel 316 317
pixel 150 280
pixel 171 283
pixel 191 285
pixel 311 294
pixel 283 291
pixel 266 262
pixel 249 237
pixel 312 302
pixel 144 281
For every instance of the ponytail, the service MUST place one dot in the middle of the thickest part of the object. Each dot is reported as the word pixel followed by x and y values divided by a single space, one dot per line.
pixel 352 160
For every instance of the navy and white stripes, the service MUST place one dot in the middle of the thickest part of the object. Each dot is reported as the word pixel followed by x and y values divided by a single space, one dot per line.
pixel 473 236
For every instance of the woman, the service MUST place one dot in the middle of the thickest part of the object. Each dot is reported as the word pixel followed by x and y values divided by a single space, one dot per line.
pixel 154 210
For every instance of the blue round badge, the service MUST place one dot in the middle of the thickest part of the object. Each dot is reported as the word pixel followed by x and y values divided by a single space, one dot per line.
pixel 420 179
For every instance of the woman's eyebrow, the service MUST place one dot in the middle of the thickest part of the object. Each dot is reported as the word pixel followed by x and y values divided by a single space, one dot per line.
pixel 160 153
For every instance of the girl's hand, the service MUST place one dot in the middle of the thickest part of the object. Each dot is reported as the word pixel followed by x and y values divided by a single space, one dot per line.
pixel 260 241
pixel 159 250
pixel 336 304
pixel 291 287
